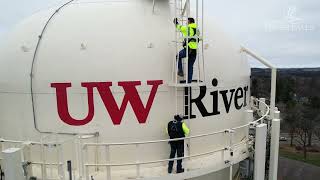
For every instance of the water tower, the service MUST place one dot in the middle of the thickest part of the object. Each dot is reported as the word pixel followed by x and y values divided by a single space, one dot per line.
pixel 95 83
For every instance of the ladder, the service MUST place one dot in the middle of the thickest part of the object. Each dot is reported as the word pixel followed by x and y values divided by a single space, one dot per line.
pixel 182 11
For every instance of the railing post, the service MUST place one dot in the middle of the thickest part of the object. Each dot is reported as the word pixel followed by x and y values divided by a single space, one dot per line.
pixel 60 162
pixel 43 161
pixel 231 132
pixel 96 153
pixel 27 157
pixel 249 118
pixel 276 113
pixel 260 152
pixel 138 161
pixel 86 168
pixel 262 107
pixel 273 91
pixel 252 102
pixel 78 144
pixel 274 149
pixel 249 115
pixel 108 168
pixel 1 144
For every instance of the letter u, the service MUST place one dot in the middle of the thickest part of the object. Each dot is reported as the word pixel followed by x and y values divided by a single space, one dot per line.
pixel 62 104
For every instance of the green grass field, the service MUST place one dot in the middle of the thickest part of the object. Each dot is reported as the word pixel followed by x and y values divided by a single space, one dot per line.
pixel 291 153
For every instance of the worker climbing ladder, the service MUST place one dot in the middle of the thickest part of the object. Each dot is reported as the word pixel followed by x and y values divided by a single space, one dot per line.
pixel 183 88
pixel 182 11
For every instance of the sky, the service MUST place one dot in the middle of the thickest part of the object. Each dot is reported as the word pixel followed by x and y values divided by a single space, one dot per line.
pixel 286 32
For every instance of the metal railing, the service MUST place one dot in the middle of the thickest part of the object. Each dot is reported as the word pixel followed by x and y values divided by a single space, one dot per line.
pixel 44 147
pixel 260 103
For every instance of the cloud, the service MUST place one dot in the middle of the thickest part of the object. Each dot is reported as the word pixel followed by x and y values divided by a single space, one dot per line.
pixel 13 11
pixel 246 20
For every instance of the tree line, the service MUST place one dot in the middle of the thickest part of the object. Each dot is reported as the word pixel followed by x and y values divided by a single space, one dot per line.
pixel 298 98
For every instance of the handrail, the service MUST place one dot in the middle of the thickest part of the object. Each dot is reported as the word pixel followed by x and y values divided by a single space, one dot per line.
pixel 154 141
pixel 228 147
pixel 165 160
pixel 266 114
pixel 83 146
pixel 273 76
pixel 138 163
pixel 184 138
pixel 30 142
pixel 158 161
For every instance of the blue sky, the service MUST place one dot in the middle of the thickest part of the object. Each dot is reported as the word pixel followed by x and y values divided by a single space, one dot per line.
pixel 287 32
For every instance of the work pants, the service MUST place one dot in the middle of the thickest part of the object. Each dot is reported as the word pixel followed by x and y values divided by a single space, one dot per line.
pixel 177 147
pixel 192 58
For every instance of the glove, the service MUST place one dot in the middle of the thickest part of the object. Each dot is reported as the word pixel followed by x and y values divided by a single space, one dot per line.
pixel 175 21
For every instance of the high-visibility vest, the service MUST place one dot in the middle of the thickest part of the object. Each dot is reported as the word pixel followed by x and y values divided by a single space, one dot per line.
pixel 191 29
pixel 185 128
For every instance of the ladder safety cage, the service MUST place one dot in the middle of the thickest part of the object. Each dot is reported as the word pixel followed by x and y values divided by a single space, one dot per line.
pixel 182 11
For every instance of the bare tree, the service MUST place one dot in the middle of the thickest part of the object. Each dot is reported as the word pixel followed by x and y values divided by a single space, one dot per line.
pixel 311 113
pixel 293 115
pixel 316 131
pixel 302 139
pixel 303 128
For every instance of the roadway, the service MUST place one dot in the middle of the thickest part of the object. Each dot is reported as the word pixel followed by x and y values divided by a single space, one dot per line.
pixel 295 170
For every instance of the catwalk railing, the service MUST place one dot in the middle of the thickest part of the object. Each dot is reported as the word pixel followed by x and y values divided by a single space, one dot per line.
pixel 262 109
pixel 42 148
pixel 258 105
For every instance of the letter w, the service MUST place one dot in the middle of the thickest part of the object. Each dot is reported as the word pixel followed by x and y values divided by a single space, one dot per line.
pixel 131 95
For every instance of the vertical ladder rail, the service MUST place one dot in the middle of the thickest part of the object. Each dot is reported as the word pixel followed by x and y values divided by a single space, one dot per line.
pixel 175 61
pixel 202 46
pixel 189 116
pixel 186 67
pixel 197 22
pixel 182 14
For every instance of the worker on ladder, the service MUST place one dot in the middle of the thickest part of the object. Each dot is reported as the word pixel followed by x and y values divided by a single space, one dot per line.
pixel 177 129
pixel 190 44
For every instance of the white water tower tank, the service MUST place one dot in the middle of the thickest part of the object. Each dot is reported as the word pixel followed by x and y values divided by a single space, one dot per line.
pixel 92 61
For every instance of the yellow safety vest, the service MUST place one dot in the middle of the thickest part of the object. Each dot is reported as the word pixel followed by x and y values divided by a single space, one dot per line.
pixel 192 30
pixel 185 129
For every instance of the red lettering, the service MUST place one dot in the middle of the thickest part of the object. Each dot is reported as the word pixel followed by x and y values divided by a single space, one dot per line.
pixel 62 104
pixel 116 114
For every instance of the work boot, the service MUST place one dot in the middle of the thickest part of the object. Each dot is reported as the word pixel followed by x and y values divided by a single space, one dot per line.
pixel 180 73
pixel 180 171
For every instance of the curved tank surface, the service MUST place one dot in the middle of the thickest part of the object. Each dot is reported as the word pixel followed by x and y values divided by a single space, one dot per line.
pixel 106 67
